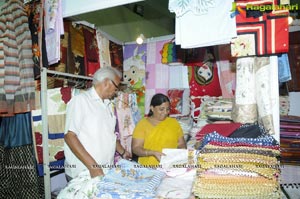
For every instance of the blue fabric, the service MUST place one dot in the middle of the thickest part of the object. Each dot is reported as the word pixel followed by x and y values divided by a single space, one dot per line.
pixel 56 165
pixel 129 181
pixel 284 71
pixel 267 140
pixel 56 136
pixel 16 130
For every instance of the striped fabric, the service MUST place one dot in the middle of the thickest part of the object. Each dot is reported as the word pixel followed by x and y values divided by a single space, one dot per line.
pixel 264 34
pixel 17 88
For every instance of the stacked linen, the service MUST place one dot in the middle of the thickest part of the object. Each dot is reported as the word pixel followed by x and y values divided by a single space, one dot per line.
pixel 290 139
pixel 216 109
pixel 124 180
pixel 237 168
pixel 130 180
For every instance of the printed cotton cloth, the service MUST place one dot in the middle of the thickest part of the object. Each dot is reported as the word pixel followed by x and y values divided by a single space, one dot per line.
pixel 125 180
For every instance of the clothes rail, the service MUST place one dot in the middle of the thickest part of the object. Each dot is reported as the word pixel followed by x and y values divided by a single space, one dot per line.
pixel 44 107
pixel 68 74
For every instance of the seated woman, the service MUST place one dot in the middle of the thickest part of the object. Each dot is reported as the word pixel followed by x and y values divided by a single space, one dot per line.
pixel 156 132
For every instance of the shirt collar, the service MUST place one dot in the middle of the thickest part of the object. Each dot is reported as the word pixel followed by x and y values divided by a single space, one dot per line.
pixel 95 96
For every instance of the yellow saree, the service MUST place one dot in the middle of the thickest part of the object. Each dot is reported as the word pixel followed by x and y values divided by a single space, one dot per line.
pixel 163 135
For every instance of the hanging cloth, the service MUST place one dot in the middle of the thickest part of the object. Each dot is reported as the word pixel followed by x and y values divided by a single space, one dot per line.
pixel 17 87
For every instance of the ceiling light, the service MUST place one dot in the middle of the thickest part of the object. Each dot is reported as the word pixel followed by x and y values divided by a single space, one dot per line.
pixel 140 39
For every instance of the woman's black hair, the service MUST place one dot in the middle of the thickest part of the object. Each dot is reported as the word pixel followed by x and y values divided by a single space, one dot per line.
pixel 157 100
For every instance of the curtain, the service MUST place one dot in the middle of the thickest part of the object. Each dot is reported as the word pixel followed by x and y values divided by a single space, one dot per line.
pixel 17 87
pixel 18 174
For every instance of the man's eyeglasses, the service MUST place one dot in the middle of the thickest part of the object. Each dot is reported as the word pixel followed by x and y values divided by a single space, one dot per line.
pixel 114 84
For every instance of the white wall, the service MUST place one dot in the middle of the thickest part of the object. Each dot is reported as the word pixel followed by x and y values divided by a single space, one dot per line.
pixel 294 103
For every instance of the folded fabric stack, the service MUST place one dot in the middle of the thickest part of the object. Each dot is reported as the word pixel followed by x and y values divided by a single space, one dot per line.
pixel 130 180
pixel 290 139
pixel 216 109
pixel 237 168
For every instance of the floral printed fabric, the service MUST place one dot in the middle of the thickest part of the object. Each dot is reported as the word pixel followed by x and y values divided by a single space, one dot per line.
pixel 126 180
pixel 253 90
pixel 198 7
pixel 82 187
pixel 126 122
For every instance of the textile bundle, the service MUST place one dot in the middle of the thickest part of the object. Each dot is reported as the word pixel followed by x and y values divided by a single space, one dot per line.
pixel 237 168
pixel 290 139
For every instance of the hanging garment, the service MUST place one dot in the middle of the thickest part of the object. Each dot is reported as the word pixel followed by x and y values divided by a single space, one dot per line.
pixel 91 57
pixel 103 46
pixel 54 28
pixel 17 87
pixel 34 22
pixel 116 55
pixel 284 71
pixel 198 25
pixel 125 120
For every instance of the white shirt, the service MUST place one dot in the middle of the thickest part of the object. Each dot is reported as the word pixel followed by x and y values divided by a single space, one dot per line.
pixel 203 25
pixel 93 121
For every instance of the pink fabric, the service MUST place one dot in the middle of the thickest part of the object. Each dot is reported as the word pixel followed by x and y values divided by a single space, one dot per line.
pixel 157 74
pixel 227 78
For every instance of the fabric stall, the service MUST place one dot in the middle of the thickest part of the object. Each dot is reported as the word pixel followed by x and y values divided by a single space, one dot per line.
pixel 226 83
pixel 18 171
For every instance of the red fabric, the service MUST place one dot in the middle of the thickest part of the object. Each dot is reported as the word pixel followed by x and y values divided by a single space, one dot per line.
pixel 175 97
pixel 277 34
pixel 91 68
pixel 271 31
pixel 116 55
pixel 211 89
pixel 90 45
pixel 225 129
pixel 66 94
pixel 91 54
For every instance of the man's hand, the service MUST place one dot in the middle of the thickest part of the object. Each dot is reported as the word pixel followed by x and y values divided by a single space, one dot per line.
pixel 94 172
pixel 127 155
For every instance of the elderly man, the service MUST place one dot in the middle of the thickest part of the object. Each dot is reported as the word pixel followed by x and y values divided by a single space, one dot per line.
pixel 90 140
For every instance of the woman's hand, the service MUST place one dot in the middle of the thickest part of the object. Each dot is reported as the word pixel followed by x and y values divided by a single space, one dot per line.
pixel 157 154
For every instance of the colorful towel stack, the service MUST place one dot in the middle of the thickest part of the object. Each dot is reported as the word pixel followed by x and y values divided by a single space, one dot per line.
pixel 290 139
pixel 237 168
